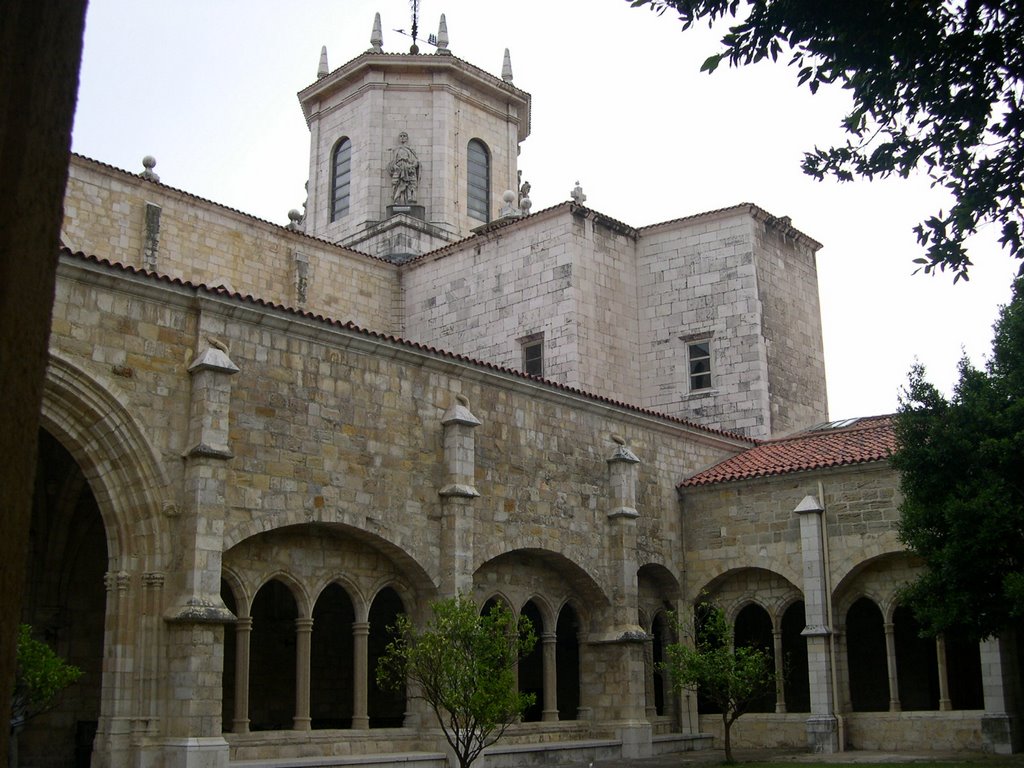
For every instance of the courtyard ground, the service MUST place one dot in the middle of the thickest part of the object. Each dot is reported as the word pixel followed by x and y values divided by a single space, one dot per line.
pixel 779 758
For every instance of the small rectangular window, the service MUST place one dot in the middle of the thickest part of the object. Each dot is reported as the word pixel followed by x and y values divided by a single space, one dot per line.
pixel 533 357
pixel 699 354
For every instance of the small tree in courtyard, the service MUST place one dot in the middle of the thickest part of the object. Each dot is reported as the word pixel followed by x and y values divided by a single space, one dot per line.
pixel 463 664
pixel 41 676
pixel 705 660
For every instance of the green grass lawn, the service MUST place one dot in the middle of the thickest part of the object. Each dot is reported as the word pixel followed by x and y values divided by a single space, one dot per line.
pixel 850 758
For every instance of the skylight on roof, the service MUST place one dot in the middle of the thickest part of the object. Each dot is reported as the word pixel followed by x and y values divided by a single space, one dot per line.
pixel 834 425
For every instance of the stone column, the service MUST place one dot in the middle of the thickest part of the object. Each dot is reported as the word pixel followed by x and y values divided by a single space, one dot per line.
pixel 621 649
pixel 457 495
pixel 822 732
pixel 550 703
pixel 200 526
pixel 583 710
pixel 195 633
pixel 303 641
pixel 113 732
pixel 945 705
pixel 149 670
pixel 780 677
pixel 890 663
pixel 360 662
pixel 651 710
pixel 1001 729
pixel 243 634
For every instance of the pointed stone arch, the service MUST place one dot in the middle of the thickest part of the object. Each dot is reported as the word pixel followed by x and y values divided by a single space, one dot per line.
pixel 121 466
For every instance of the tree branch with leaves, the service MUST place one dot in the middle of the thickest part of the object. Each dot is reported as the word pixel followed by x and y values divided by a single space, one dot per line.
pixel 463 664
pixel 937 87
pixel 706 661
pixel 961 463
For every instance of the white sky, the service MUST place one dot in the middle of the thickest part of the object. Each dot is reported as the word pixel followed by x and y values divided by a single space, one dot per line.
pixel 208 87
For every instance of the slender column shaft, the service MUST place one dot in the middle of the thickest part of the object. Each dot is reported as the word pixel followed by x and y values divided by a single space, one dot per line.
pixel 890 661
pixel 360 660
pixel 945 703
pixel 243 634
pixel 550 711
pixel 303 640
pixel 652 707
pixel 780 681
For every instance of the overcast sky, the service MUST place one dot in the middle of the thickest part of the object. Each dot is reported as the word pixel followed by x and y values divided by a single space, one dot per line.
pixel 208 88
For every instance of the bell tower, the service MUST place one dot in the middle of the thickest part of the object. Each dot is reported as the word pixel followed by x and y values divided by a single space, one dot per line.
pixel 409 151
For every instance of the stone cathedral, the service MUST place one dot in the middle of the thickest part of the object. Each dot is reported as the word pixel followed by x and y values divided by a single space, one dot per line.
pixel 262 443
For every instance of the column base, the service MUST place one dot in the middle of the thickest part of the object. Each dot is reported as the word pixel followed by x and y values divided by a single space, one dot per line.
pixel 195 752
pixel 636 740
pixel 1001 733
pixel 822 735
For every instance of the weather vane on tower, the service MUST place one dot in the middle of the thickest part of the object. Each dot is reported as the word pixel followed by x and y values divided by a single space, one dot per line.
pixel 415 24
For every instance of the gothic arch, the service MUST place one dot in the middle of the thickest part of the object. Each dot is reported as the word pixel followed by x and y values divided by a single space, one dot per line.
pixel 120 465
pixel 871 554
pixel 411 568
pixel 857 582
pixel 299 594
pixel 498 596
pixel 586 588
pixel 243 597
pixel 547 612
pixel 359 601
pixel 665 580
pixel 735 588
pixel 406 593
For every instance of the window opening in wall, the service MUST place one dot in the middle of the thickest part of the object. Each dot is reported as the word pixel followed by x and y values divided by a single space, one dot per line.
pixel 533 355
pixel 479 181
pixel 341 176
pixel 699 355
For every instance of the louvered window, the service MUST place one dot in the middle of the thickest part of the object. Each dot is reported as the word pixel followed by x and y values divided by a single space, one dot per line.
pixel 479 181
pixel 341 176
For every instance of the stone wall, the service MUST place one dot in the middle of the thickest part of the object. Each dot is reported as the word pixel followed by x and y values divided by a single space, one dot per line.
pixel 105 215
pixel 787 284
pixel 337 434
pixel 556 275
pixel 753 522
pixel 697 280
pixel 890 732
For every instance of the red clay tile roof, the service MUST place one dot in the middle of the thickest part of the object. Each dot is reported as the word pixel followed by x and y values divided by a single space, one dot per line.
pixel 837 444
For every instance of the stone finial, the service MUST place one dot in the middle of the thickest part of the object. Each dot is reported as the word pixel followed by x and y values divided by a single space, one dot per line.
pixel 506 68
pixel 295 220
pixel 809 504
pixel 577 194
pixel 509 207
pixel 376 37
pixel 148 164
pixel 322 70
pixel 442 37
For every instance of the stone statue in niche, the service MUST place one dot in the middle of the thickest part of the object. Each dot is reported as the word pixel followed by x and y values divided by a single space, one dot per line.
pixel 404 169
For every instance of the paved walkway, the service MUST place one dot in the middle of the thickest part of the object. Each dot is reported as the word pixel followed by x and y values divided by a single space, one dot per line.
pixel 715 757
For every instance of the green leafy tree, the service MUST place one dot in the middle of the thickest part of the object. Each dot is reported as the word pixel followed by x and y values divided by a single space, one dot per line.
pixel 40 677
pixel 706 661
pixel 962 476
pixel 463 664
pixel 936 87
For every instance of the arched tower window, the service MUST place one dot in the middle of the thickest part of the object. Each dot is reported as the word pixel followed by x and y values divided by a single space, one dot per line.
pixel 478 194
pixel 341 175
